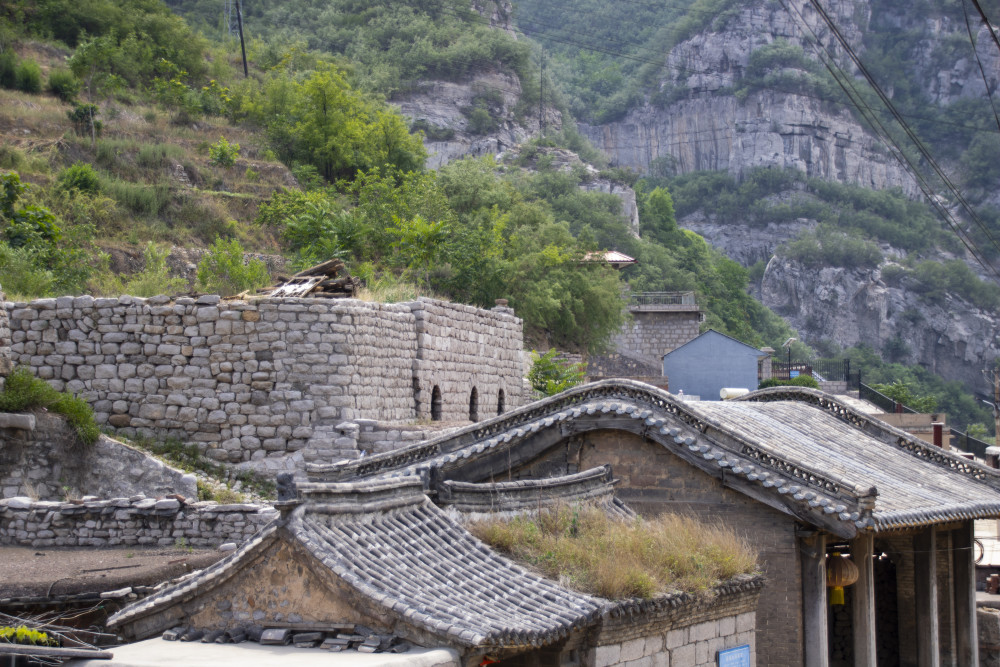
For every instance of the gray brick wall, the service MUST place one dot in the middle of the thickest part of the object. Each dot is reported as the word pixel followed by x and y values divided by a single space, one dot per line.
pixel 651 335
pixel 653 481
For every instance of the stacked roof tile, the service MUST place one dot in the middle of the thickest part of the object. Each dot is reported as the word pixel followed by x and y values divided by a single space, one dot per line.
pixel 387 540
pixel 825 461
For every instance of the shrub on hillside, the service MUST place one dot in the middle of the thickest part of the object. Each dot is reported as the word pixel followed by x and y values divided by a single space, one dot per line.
pixel 80 176
pixel 225 271
pixel 63 84
pixel 549 375
pixel 28 77
pixel 223 154
pixel 8 69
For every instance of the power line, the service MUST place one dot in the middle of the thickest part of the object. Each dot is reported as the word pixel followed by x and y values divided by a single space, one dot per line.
pixel 986 20
pixel 847 86
pixel 982 71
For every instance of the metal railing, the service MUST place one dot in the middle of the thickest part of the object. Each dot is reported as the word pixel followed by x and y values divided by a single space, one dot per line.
pixel 866 393
pixel 967 443
pixel 662 299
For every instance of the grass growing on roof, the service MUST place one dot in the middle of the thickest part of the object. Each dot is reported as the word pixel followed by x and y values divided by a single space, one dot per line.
pixel 589 551
pixel 23 391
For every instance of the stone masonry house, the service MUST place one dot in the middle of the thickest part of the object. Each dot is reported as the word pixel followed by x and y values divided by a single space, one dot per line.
pixel 269 382
pixel 380 555
pixel 801 474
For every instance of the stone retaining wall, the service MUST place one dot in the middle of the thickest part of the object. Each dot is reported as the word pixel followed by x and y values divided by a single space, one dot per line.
pixel 47 462
pixel 135 521
pixel 5 363
pixel 267 378
pixel 650 335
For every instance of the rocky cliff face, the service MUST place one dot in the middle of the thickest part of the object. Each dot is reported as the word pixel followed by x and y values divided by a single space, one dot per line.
pixel 951 337
pixel 707 127
pixel 444 109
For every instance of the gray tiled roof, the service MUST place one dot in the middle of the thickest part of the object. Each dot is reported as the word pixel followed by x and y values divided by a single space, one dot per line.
pixel 826 462
pixel 428 569
pixel 387 540
pixel 594 486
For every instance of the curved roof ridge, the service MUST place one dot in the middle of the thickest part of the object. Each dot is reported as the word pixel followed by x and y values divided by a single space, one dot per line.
pixel 595 485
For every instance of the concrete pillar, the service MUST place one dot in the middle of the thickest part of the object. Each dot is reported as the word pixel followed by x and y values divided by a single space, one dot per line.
pixel 964 576
pixel 812 551
pixel 863 600
pixel 925 597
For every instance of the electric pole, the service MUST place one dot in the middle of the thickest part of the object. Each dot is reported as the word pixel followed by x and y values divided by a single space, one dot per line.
pixel 995 373
pixel 243 48
pixel 541 93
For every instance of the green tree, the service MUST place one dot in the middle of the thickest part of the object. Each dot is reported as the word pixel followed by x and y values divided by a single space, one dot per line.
pixel 419 242
pixel 550 375
pixel 226 271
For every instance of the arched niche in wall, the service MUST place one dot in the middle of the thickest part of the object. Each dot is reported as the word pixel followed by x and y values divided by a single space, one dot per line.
pixel 474 405
pixel 501 402
pixel 436 404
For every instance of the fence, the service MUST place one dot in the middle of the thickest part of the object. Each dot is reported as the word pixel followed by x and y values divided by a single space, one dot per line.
pixel 967 443
pixel 662 299
pixel 833 370
pixel 887 404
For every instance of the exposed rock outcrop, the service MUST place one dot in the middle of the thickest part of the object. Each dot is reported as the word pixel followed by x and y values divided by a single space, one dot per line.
pixel 951 337
pixel 442 110
pixel 708 128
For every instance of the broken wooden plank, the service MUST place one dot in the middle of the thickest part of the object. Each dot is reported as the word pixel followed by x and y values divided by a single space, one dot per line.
pixel 54 652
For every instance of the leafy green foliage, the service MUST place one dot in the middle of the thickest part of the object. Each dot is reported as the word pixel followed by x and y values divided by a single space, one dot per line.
pixel 63 84
pixel 392 44
pixel 80 176
pixel 31 240
pixel 225 271
pixel 154 278
pixel 223 154
pixel 26 636
pixel 28 77
pixel 826 246
pixel 781 66
pixel 901 392
pixel 933 279
pixel 953 398
pixel 800 381
pixel 601 85
pixel 23 391
pixel 8 69
pixel 322 121
pixel 550 375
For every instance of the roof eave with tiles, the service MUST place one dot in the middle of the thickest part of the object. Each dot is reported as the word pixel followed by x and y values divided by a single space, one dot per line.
pixel 845 502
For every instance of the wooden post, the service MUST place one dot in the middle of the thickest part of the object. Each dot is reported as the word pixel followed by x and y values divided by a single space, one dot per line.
pixel 812 552
pixel 863 600
pixel 925 597
pixel 966 629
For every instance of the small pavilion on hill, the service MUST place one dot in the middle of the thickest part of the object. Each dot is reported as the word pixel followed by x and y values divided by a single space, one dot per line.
pixel 805 477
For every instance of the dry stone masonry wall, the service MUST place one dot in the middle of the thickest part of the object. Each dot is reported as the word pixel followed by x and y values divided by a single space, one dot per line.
pixel 133 521
pixel 269 381
pixel 5 363
pixel 47 462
